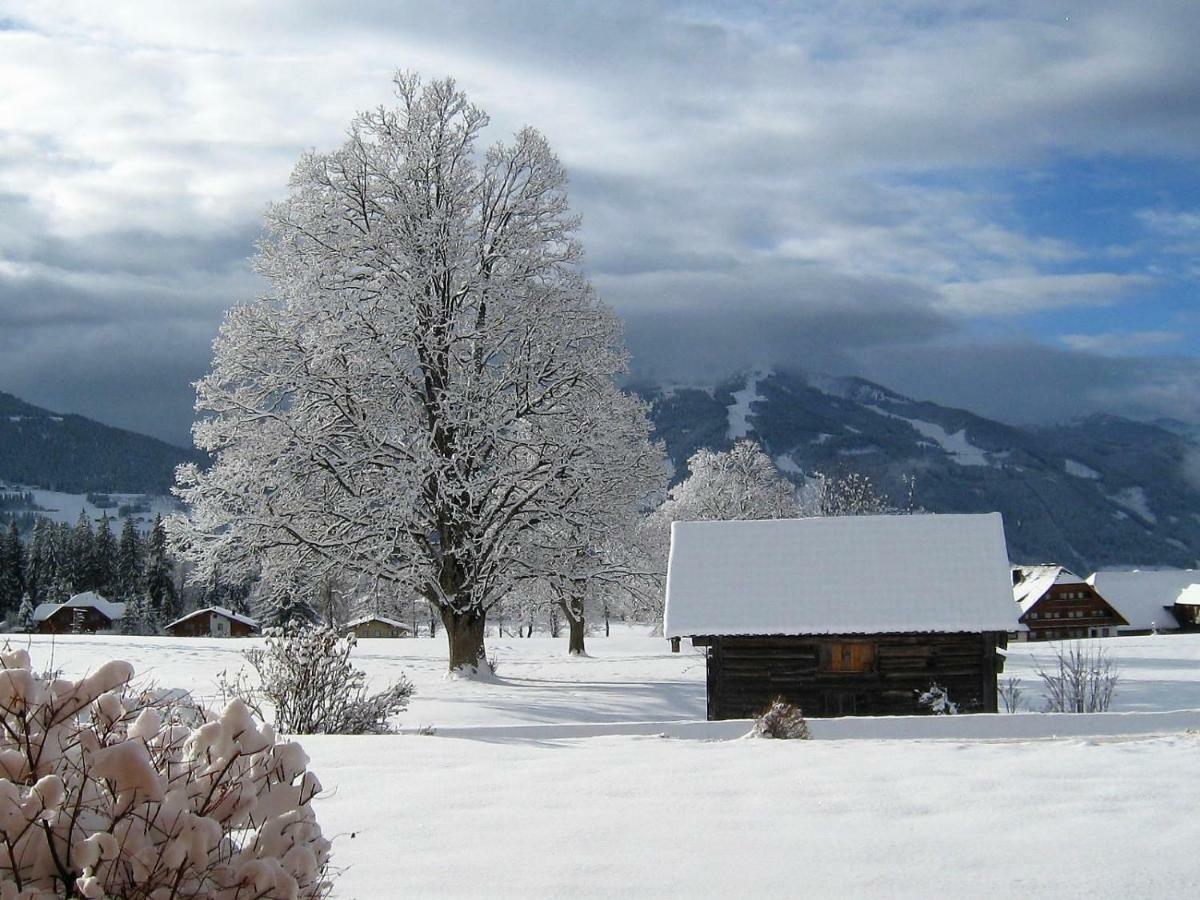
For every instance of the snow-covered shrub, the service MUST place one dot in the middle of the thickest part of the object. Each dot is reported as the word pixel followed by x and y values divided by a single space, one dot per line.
pixel 1081 678
pixel 937 700
pixel 102 795
pixel 783 721
pixel 306 676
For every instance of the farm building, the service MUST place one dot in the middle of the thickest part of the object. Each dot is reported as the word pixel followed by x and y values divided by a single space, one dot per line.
pixel 1187 607
pixel 376 627
pixel 1055 604
pixel 850 615
pixel 85 613
pixel 213 621
pixel 1147 599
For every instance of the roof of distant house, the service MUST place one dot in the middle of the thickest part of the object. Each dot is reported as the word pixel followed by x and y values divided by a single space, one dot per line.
pixel 113 611
pixel 1189 596
pixel 362 620
pixel 1039 579
pixel 1145 598
pixel 219 610
pixel 840 575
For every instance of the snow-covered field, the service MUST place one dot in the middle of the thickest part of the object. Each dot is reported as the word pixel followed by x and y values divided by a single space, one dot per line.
pixel 544 784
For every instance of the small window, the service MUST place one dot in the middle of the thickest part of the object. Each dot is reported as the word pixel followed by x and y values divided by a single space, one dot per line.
pixel 851 656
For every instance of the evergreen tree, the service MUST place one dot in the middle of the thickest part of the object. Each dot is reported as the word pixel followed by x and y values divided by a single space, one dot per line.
pixel 25 621
pixel 134 621
pixel 41 568
pixel 79 555
pixel 129 559
pixel 12 570
pixel 156 577
pixel 104 559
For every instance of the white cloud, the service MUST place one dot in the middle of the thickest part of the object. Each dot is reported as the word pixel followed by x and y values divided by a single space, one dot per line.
pixel 1024 294
pixel 1121 343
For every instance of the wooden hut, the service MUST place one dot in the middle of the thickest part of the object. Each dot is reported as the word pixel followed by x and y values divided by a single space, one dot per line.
pixel 376 627
pixel 213 621
pixel 851 615
pixel 1057 604
pixel 85 613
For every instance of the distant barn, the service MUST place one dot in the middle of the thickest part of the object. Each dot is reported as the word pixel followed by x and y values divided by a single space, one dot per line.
pixel 376 627
pixel 85 613
pixel 213 621
pixel 852 615
pixel 1150 600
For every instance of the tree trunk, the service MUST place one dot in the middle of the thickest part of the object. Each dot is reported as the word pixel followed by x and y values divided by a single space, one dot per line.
pixel 464 631
pixel 577 624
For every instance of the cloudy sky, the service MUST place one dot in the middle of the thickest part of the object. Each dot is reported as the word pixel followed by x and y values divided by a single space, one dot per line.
pixel 994 205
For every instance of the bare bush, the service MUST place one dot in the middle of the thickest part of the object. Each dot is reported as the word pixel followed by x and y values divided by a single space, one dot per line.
pixel 782 721
pixel 1081 678
pixel 306 677
pixel 1011 694
pixel 107 792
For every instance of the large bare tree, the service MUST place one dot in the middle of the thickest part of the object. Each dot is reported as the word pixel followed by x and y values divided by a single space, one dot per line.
pixel 424 385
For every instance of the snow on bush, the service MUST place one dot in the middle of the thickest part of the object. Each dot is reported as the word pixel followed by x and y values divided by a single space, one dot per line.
pixel 307 678
pixel 937 700
pixel 105 793
pixel 781 720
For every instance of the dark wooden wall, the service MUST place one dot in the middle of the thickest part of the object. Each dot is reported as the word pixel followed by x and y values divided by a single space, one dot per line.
pixel 746 673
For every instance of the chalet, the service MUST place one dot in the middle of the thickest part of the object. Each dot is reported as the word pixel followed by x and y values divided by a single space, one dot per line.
pixel 1057 604
pixel 1147 599
pixel 850 615
pixel 85 613
pixel 376 627
pixel 213 621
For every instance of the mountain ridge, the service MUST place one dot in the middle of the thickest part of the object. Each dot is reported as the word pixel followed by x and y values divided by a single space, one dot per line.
pixel 1098 492
pixel 72 453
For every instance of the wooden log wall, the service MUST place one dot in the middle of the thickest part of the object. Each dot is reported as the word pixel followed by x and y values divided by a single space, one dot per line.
pixel 746 673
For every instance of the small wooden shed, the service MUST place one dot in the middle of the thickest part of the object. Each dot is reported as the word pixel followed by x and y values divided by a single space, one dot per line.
pixel 376 627
pixel 213 621
pixel 850 615
pixel 85 613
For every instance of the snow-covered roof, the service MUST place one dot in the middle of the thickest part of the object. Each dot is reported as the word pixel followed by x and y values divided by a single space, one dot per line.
pixel 363 620
pixel 111 610
pixel 1189 596
pixel 839 575
pixel 1144 598
pixel 1039 579
pixel 219 610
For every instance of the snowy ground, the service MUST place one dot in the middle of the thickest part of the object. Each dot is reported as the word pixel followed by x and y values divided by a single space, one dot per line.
pixel 540 785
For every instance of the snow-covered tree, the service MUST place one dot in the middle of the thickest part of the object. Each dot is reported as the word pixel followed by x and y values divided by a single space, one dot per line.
pixel 851 494
pixel 405 401
pixel 740 483
pixel 25 621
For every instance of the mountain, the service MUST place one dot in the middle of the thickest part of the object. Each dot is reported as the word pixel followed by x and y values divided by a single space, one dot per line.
pixel 1102 491
pixel 70 453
